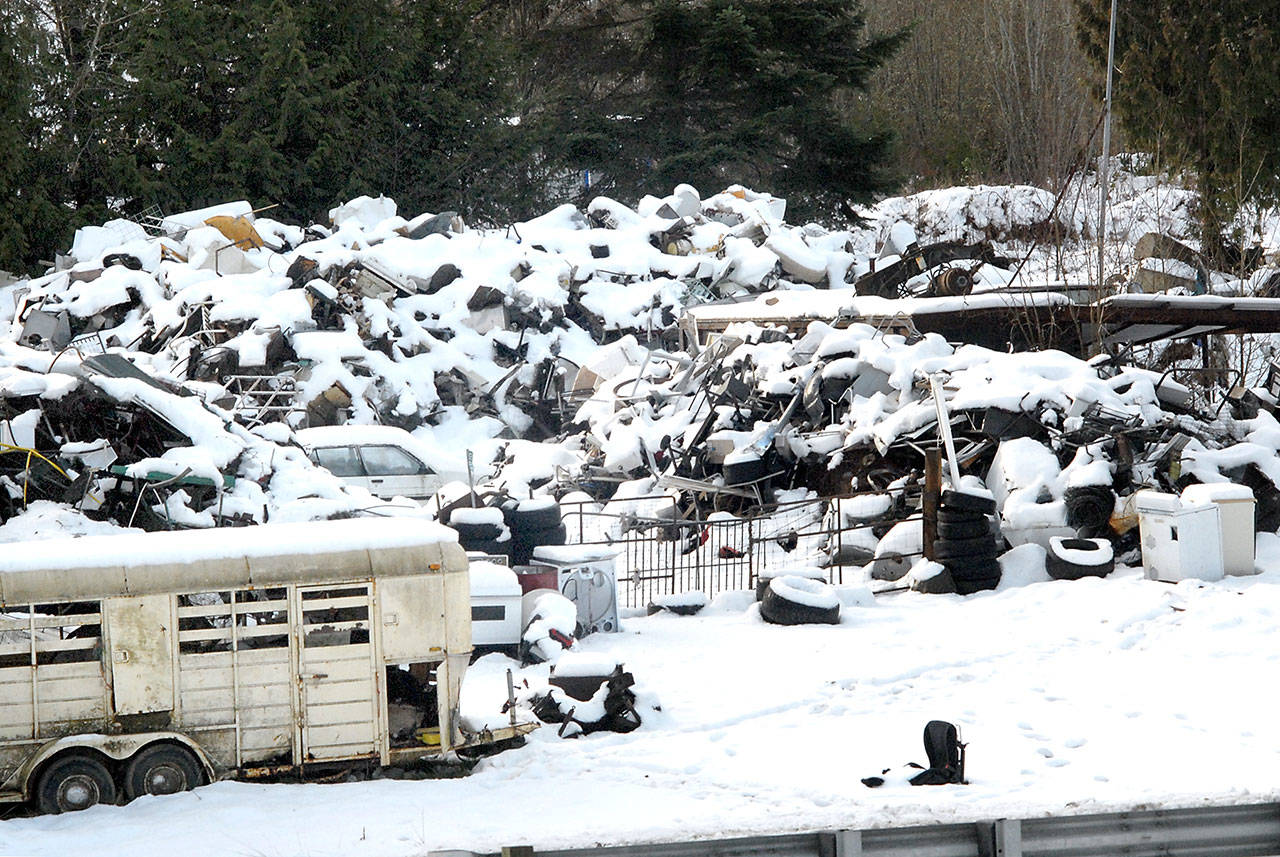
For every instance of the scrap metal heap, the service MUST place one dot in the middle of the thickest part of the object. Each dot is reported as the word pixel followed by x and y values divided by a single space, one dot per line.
pixel 155 375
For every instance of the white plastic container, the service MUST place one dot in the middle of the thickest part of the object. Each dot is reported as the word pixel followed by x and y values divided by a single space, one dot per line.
pixel 1180 541
pixel 1235 506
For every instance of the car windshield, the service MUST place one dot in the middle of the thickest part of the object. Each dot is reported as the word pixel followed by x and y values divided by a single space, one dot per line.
pixel 389 461
pixel 339 460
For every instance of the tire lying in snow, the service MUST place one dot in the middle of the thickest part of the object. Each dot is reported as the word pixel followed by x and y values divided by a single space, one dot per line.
pixel 792 600
pixel 1072 559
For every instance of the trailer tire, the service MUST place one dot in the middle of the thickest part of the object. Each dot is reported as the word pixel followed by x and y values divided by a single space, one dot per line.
pixel 162 769
pixel 73 782
pixel 962 500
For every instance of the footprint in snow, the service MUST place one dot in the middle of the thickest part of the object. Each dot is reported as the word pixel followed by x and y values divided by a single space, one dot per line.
pixel 1073 743
pixel 1045 751
pixel 1057 763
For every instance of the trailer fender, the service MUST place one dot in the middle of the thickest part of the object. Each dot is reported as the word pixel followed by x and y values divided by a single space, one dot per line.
pixel 115 747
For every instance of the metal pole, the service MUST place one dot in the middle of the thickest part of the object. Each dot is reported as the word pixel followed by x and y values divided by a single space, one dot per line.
pixel 1106 147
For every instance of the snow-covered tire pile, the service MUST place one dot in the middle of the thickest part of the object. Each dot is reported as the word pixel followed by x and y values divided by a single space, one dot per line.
pixel 534 523
pixel 966 545
pixel 481 529
pixel 1072 559
pixel 793 600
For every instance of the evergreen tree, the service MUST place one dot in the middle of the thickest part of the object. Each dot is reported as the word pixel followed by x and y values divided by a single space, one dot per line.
pixel 1197 84
pixel 714 92
pixel 14 115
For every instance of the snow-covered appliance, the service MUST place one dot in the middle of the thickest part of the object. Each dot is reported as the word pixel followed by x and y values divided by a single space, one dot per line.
pixel 1180 540
pixel 587 577
pixel 495 607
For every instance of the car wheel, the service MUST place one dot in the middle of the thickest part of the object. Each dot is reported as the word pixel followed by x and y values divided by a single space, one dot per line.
pixel 74 782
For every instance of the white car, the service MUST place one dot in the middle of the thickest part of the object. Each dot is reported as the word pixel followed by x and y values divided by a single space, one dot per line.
pixel 388 461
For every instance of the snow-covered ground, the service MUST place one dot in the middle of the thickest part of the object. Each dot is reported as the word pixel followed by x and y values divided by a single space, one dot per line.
pixel 1074 696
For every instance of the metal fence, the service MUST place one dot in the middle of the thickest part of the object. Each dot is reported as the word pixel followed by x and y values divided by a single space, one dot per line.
pixel 662 550
pixel 1251 830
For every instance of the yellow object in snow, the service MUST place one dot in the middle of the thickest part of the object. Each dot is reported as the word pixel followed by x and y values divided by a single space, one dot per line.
pixel 238 230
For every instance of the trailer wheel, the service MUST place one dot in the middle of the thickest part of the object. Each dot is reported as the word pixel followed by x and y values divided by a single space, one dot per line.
pixel 73 782
pixel 162 769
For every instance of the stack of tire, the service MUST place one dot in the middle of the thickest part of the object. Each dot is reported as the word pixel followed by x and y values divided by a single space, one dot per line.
pixel 533 523
pixel 481 530
pixel 966 545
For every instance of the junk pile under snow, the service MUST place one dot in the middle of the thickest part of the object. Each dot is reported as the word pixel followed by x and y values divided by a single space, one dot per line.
pixel 161 376
pixel 588 695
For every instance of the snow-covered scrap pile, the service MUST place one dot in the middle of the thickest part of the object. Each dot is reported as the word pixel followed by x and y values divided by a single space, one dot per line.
pixel 140 452
pixel 1063 444
pixel 474 335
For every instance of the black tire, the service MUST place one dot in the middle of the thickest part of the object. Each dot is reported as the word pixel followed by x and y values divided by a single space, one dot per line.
pixel 980 547
pixel 1089 507
pixel 524 542
pixel 162 769
pixel 74 782
pixel 961 500
pixel 777 609
pixel 959 516
pixel 965 529
pixel 973 568
pixel 745 471
pixel 981 584
pixel 474 532
pixel 538 518
pixel 1060 568
pixel 488 546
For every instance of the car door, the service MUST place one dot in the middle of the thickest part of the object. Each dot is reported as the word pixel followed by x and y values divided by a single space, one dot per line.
pixel 393 472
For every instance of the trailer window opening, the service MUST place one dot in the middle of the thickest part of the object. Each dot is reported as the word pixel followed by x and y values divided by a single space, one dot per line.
pixel 335 617
pixel 413 713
